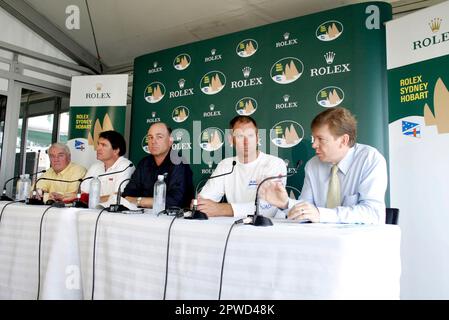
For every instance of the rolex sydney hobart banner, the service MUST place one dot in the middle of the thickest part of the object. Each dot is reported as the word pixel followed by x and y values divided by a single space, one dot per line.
pixel 418 81
pixel 281 74
pixel 97 103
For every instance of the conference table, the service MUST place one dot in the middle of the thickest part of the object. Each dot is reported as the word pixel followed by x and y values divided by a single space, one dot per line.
pixel 285 261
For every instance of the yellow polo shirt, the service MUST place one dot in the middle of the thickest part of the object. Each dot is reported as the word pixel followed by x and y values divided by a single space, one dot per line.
pixel 71 172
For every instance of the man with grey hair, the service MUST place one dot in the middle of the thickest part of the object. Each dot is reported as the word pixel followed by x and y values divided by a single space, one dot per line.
pixel 61 168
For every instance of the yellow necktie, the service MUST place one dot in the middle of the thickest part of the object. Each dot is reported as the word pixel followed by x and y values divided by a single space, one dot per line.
pixel 333 194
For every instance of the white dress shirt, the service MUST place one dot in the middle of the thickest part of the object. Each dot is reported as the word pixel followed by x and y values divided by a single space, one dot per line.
pixel 241 185
pixel 363 182
pixel 110 183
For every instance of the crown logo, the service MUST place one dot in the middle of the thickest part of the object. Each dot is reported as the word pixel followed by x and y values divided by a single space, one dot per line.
pixel 246 71
pixel 211 107
pixel 286 161
pixel 181 83
pixel 286 97
pixel 155 64
pixel 329 56
pixel 153 114
pixel 212 52
pixel 209 164
pixel 178 135
pixel 435 24
pixel 99 86
pixel 286 36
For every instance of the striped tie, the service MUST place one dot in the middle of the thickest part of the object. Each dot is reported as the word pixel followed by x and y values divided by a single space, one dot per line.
pixel 333 194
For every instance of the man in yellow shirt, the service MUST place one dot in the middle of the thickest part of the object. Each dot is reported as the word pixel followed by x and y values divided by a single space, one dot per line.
pixel 61 168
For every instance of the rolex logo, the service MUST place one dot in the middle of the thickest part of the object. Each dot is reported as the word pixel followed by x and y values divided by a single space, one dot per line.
pixel 286 97
pixel 181 83
pixel 329 56
pixel 98 86
pixel 211 107
pixel 286 36
pixel 155 64
pixel 435 24
pixel 212 52
pixel 246 71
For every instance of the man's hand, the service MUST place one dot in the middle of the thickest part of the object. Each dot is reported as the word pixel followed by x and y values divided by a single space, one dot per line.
pixel 214 209
pixel 274 193
pixel 56 196
pixel 304 210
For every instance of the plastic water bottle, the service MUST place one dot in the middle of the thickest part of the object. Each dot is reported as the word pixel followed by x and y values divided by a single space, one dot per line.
pixel 159 194
pixel 23 187
pixel 26 186
pixel 94 192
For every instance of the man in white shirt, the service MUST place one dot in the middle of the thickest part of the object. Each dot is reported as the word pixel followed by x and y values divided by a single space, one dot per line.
pixel 345 182
pixel 239 187
pixel 110 150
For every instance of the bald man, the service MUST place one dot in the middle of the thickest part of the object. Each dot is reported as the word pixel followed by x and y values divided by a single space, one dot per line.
pixel 179 176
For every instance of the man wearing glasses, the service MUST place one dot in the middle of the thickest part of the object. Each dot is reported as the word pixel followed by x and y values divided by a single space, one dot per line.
pixel 239 187
pixel 178 176
pixel 345 182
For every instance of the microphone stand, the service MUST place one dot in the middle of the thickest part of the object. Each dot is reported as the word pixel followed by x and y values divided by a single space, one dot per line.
pixel 118 207
pixel 257 219
pixel 4 197
pixel 34 201
pixel 79 204
pixel 198 214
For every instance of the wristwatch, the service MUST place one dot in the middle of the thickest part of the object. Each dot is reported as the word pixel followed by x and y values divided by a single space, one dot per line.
pixel 139 199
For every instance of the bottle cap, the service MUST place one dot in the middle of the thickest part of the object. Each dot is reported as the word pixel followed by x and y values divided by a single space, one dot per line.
pixel 160 177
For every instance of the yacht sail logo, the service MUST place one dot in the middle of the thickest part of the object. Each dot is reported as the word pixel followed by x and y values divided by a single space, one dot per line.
pixel 212 82
pixel 286 134
pixel 180 114
pixel 154 92
pixel 329 30
pixel 411 129
pixel 246 106
pixel 211 139
pixel 287 41
pixel 246 48
pixel 330 97
pixel 182 61
pixel 155 68
pixel 287 70
pixel 144 144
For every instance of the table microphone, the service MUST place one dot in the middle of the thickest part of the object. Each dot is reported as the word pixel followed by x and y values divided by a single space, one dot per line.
pixel 34 201
pixel 118 207
pixel 78 203
pixel 4 196
pixel 261 221
pixel 198 214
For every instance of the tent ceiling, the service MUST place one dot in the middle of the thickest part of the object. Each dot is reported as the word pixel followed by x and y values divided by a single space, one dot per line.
pixel 125 29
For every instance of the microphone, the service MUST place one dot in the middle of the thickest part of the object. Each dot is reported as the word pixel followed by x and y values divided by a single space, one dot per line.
pixel 261 221
pixel 4 196
pixel 34 201
pixel 78 203
pixel 118 207
pixel 198 214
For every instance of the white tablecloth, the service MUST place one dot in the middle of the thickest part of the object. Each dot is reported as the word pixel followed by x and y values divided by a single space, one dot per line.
pixel 285 261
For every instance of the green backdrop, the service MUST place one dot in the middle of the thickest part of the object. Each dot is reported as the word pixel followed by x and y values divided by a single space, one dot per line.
pixel 281 74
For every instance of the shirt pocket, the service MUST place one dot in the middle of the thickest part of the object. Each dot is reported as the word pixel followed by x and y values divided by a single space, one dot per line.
pixel 350 200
